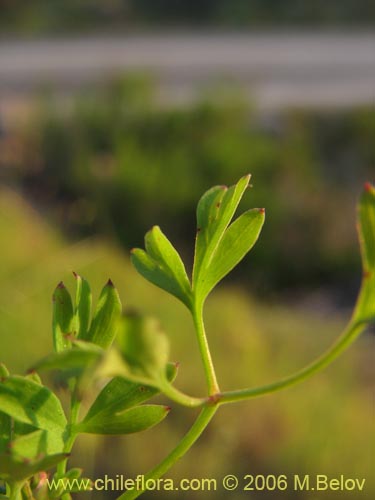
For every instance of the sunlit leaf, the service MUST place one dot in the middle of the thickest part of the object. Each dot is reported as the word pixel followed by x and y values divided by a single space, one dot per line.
pixel 236 242
pixel 219 248
pixel 161 265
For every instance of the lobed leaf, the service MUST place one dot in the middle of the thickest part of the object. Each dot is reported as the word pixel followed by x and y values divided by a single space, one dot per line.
pixel 135 419
pixel 62 317
pixel 107 314
pixel 162 265
pixel 236 242
pixel 219 248
pixel 28 402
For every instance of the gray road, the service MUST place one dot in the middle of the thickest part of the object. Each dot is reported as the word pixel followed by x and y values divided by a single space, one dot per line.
pixel 275 69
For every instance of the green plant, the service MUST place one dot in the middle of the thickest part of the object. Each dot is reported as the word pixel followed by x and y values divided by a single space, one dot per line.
pixel 35 434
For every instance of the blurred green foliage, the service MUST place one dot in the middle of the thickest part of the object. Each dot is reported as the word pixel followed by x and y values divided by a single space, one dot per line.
pixel 323 426
pixel 52 16
pixel 115 162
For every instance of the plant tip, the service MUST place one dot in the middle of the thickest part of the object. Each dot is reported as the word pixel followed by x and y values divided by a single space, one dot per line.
pixel 75 275
pixel 368 187
pixel 262 210
pixel 61 285
pixel 110 283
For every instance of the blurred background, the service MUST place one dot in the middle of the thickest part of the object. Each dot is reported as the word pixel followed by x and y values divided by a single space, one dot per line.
pixel 116 115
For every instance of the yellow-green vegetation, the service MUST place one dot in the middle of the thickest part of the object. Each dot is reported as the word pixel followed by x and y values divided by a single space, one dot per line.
pixel 324 424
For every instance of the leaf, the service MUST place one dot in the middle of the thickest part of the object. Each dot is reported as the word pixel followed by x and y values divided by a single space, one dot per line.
pixel 120 394
pixel 144 347
pixel 37 443
pixel 215 210
pixel 365 308
pixel 236 242
pixel 82 311
pixel 15 469
pixel 129 421
pixel 162 265
pixel 62 317
pixel 3 371
pixel 30 403
pixel 76 358
pixel 107 314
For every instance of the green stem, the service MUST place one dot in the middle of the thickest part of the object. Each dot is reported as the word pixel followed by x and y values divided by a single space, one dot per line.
pixel 75 405
pixel 344 341
pixel 197 313
pixel 15 491
pixel 183 446
pixel 179 397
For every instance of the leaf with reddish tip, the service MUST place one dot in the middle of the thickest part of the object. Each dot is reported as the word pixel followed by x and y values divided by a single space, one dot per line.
pixel 365 308
pixel 129 421
pixel 107 314
pixel 62 317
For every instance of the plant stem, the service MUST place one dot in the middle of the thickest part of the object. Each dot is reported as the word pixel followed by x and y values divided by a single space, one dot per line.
pixel 15 491
pixel 75 405
pixel 344 341
pixel 197 313
pixel 183 446
pixel 179 397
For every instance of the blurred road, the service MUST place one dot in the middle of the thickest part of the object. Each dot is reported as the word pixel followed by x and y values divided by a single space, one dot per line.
pixel 276 70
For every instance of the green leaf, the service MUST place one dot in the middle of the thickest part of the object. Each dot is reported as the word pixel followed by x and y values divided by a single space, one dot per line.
pixel 75 359
pixel 16 469
pixel 236 242
pixel 82 312
pixel 120 394
pixel 365 308
pixel 37 443
pixel 214 257
pixel 144 348
pixel 107 314
pixel 62 317
pixel 129 421
pixel 30 403
pixel 162 265
pixel 3 371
